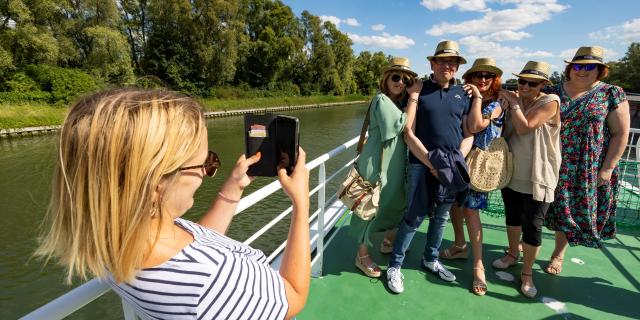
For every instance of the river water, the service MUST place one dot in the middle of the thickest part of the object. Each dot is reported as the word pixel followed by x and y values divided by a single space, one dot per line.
pixel 26 166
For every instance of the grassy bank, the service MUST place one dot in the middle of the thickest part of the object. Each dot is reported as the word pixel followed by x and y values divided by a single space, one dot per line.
pixel 33 115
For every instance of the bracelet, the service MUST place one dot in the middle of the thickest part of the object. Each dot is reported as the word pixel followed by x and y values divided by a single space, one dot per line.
pixel 478 97
pixel 515 107
pixel 227 199
pixel 413 100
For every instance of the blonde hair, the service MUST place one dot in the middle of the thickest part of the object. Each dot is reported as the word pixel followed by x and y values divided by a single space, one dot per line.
pixel 115 148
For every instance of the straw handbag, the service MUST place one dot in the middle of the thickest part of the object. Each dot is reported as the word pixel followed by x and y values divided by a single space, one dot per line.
pixel 360 196
pixel 490 169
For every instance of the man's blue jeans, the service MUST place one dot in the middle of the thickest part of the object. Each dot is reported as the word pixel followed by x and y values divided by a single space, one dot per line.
pixel 417 210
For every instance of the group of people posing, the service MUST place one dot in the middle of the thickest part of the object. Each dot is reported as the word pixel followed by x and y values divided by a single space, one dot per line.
pixel 130 161
pixel 565 144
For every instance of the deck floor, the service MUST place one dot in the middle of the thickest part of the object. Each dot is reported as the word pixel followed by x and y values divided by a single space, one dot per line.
pixel 594 284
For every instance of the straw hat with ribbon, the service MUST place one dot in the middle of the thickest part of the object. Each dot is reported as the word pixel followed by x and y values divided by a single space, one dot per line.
pixel 586 55
pixel 484 64
pixel 447 48
pixel 400 64
pixel 535 70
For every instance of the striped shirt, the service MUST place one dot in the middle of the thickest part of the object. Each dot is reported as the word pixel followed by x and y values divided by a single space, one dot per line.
pixel 214 277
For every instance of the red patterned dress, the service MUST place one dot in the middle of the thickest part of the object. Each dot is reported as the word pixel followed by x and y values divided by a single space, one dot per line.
pixel 583 211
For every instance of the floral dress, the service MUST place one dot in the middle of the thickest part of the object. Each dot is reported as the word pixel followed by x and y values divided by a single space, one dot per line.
pixel 582 210
pixel 480 200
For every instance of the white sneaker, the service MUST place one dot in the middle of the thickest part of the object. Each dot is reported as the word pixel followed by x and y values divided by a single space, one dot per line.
pixel 394 280
pixel 438 269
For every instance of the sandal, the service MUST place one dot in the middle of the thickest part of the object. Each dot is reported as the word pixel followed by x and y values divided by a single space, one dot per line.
pixel 528 291
pixel 479 287
pixel 454 252
pixel 555 266
pixel 501 264
pixel 386 246
pixel 372 270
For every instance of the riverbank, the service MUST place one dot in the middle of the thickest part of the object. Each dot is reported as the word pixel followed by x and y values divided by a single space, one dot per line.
pixel 31 119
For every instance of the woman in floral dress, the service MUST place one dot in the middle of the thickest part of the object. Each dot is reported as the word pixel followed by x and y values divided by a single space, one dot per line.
pixel 595 129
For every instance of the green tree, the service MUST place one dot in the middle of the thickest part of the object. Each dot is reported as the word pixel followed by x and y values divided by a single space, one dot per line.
pixel 626 72
pixel 368 69
pixel 108 57
pixel 342 73
pixel 556 77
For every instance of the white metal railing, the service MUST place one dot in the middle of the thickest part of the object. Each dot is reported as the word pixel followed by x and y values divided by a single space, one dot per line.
pixel 84 294
pixel 630 155
pixel 93 289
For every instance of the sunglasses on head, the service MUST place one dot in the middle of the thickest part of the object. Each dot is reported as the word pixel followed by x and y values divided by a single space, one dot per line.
pixel 531 84
pixel 483 75
pixel 405 79
pixel 585 67
pixel 210 165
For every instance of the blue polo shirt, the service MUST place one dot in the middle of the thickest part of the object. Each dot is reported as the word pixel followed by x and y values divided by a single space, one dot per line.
pixel 439 117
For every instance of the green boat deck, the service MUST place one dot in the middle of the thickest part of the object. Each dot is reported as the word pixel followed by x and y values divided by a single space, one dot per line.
pixel 594 284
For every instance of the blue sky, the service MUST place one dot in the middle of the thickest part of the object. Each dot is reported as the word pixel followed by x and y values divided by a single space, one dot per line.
pixel 511 31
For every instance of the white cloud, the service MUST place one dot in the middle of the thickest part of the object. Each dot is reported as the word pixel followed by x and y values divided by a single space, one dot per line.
pixel 510 59
pixel 526 13
pixel 384 41
pixel 333 19
pixel 378 27
pixel 462 5
pixel 353 22
pixel 627 32
pixel 508 35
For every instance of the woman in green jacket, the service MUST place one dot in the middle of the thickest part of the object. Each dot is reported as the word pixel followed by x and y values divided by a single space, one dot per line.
pixel 383 160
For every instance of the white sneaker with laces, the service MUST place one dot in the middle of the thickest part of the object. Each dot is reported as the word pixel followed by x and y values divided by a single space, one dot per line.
pixel 395 279
pixel 438 269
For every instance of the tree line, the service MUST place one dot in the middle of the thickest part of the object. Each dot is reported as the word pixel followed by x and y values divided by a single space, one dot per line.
pixel 196 46
pixel 50 50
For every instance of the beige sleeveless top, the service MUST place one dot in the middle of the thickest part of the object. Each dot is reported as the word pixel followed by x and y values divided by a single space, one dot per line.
pixel 536 155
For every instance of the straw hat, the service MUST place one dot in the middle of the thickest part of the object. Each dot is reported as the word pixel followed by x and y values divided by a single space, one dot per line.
pixel 447 48
pixel 586 55
pixel 535 70
pixel 401 64
pixel 484 64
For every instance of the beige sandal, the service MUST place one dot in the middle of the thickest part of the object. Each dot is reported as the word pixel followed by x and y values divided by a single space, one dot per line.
pixel 555 266
pixel 454 252
pixel 372 270
pixel 501 264
pixel 528 291
pixel 479 287
pixel 386 246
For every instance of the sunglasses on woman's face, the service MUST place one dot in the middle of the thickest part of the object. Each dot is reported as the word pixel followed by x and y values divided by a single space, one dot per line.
pixel 585 67
pixel 405 79
pixel 483 75
pixel 531 84
pixel 210 165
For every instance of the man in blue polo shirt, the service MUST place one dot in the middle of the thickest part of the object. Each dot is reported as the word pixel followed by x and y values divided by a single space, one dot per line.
pixel 436 122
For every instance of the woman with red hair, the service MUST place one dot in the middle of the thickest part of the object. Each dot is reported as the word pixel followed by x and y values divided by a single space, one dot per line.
pixel 485 122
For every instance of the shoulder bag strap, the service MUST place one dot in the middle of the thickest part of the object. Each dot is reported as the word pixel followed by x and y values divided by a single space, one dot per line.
pixel 363 132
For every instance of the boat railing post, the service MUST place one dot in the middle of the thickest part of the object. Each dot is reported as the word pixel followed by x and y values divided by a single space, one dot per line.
pixel 128 312
pixel 316 270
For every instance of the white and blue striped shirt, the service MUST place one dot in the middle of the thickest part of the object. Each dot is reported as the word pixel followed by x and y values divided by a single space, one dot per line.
pixel 214 277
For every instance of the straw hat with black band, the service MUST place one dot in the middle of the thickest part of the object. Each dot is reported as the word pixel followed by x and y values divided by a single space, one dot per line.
pixel 587 55
pixel 400 64
pixel 484 64
pixel 535 70
pixel 446 49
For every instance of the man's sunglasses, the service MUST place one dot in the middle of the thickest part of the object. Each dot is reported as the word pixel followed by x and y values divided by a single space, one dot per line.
pixel 405 79
pixel 531 84
pixel 585 67
pixel 210 165
pixel 483 75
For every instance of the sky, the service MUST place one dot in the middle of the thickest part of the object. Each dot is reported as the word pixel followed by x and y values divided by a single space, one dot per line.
pixel 510 31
